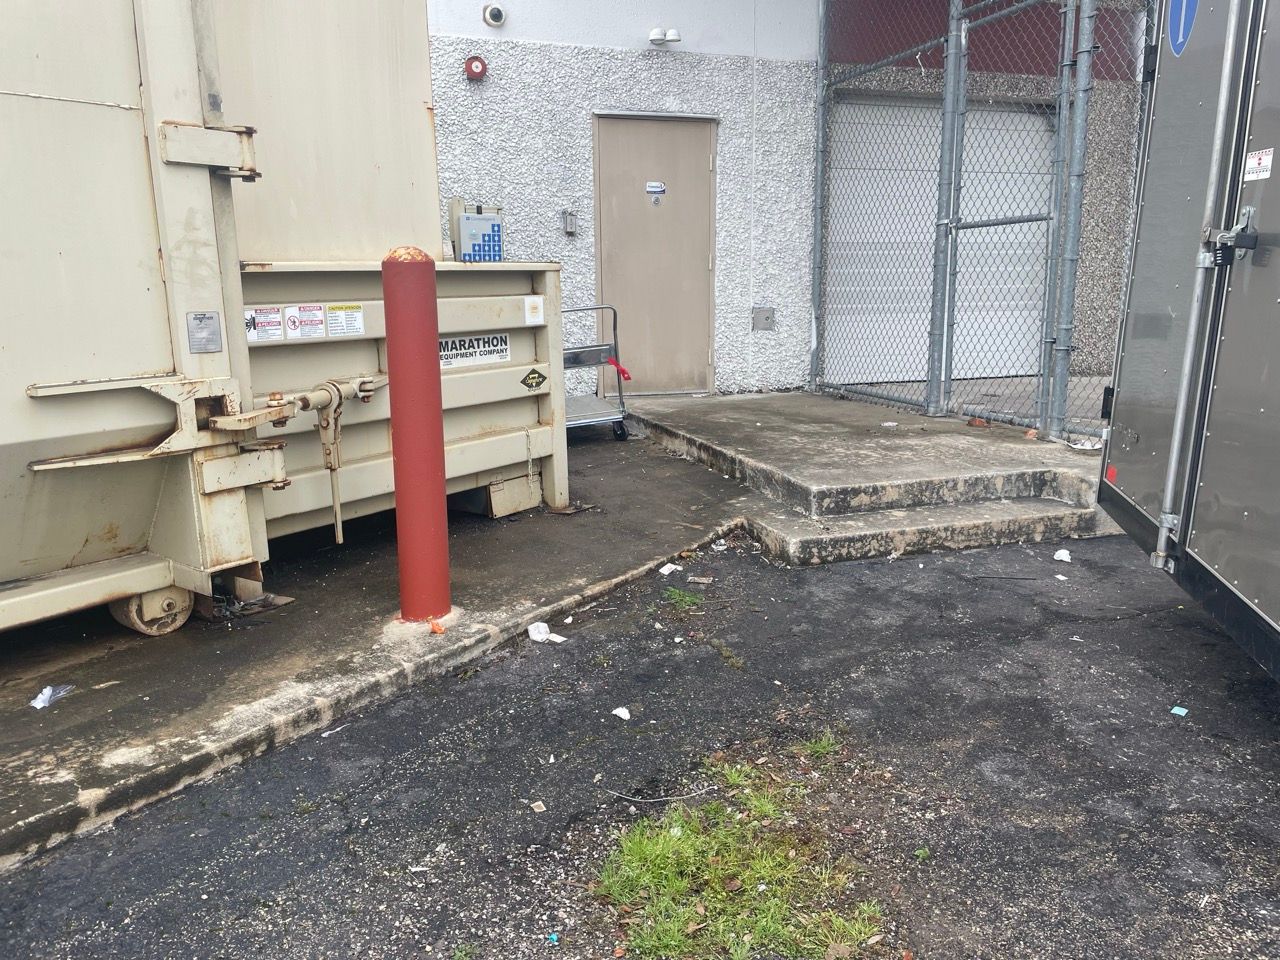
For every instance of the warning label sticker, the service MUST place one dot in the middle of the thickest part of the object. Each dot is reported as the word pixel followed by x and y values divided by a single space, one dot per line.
pixel 471 351
pixel 304 321
pixel 263 323
pixel 345 319
pixel 534 313
pixel 1257 164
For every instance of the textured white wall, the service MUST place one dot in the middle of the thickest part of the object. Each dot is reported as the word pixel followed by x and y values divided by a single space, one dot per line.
pixel 521 139
pixel 774 29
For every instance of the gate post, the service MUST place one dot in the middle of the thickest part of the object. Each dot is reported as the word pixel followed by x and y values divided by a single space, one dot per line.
pixel 1057 199
pixel 1074 216
pixel 934 405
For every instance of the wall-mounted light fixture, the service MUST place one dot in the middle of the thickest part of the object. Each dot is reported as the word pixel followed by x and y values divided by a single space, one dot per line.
pixel 659 36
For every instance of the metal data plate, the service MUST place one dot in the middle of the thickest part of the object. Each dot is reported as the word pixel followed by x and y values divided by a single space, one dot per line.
pixel 1235 524
pixel 1174 171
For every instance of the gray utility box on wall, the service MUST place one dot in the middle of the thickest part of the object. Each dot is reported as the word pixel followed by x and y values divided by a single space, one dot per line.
pixel 1193 452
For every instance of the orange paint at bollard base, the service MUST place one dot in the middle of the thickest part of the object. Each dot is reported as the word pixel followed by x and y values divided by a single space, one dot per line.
pixel 417 432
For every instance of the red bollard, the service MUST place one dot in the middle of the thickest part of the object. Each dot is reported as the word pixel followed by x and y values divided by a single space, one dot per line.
pixel 417 432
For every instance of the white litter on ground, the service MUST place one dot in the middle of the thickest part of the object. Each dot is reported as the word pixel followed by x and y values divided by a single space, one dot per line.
pixel 622 713
pixel 669 568
pixel 540 633
pixel 719 546
pixel 1058 576
pixel 1063 555
pixel 330 733
pixel 51 695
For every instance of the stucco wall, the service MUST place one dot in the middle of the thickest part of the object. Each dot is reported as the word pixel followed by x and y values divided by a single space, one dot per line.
pixel 521 139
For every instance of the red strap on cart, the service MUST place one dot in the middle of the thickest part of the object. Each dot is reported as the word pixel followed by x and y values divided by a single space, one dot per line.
pixel 619 367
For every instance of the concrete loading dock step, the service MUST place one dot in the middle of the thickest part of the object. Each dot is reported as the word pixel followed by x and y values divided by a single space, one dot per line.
pixel 847 480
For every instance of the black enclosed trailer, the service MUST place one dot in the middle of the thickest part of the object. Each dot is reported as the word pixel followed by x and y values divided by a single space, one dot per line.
pixel 1192 460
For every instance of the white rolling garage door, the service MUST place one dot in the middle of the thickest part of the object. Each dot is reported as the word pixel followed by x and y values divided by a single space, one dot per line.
pixel 882 175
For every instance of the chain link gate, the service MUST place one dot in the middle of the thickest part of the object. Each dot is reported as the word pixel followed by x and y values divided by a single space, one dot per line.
pixel 955 147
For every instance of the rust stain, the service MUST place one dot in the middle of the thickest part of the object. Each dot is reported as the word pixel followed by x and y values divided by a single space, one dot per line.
pixel 407 255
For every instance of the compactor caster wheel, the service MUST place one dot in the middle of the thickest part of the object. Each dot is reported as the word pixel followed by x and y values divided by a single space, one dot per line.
pixel 619 430
pixel 156 613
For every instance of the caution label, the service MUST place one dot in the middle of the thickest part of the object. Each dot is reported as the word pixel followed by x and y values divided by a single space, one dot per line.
pixel 1257 164
pixel 263 323
pixel 534 312
pixel 472 351
pixel 345 319
pixel 304 321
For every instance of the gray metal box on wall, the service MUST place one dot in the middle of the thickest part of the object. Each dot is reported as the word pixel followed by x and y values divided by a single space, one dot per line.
pixel 1194 445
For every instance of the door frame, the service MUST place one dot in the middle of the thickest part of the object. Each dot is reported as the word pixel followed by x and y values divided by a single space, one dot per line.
pixel 596 116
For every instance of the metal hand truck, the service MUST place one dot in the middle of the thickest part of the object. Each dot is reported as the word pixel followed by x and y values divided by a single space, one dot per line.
pixel 597 408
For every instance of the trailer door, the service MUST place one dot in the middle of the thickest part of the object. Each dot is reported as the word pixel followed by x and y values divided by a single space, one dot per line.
pixel 1171 205
pixel 1235 522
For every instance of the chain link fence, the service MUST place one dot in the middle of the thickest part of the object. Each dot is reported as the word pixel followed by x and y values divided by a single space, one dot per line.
pixel 958 141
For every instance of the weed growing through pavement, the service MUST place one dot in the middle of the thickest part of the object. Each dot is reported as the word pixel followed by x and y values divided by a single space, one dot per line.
pixel 681 599
pixel 735 878
pixel 922 854
pixel 820 747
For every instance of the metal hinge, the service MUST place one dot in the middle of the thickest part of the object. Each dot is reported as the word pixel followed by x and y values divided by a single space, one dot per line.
pixel 1150 54
pixel 227 151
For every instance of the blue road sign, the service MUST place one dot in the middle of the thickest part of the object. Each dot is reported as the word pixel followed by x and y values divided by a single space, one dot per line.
pixel 1182 17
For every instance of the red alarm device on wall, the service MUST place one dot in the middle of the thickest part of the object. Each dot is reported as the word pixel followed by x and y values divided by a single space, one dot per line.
pixel 476 68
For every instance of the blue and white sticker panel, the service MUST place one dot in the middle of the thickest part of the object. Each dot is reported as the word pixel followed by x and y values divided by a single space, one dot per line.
pixel 481 238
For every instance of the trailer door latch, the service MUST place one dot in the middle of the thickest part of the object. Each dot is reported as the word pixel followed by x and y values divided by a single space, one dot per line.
pixel 1229 245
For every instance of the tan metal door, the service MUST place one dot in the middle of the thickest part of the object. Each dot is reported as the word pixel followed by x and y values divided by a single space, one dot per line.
pixel 654 241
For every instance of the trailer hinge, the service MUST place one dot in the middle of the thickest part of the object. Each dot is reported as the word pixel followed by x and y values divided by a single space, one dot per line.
pixel 227 151
pixel 1150 54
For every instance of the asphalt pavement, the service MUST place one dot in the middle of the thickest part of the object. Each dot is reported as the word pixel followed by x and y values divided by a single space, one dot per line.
pixel 1026 719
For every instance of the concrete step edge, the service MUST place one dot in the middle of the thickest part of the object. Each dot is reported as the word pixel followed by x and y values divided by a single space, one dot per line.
pixel 966 526
pixel 1049 483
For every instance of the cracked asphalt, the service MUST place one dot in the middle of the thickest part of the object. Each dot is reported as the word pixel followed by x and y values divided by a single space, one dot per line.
pixel 1025 719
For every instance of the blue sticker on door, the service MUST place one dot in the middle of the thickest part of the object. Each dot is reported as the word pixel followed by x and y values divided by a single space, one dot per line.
pixel 1182 17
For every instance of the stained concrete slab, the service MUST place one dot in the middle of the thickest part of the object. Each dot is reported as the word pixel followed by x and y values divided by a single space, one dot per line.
pixel 825 455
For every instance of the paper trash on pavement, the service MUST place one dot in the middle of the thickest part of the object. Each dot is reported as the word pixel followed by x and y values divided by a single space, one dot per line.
pixel 1063 555
pixel 540 633
pixel 622 713
pixel 669 568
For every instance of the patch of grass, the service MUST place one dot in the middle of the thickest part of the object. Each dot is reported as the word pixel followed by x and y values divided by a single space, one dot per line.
pixel 681 599
pixel 304 807
pixel 734 775
pixel 820 747
pixel 737 879
pixel 922 854
pixel 464 952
